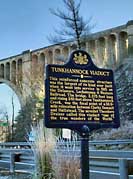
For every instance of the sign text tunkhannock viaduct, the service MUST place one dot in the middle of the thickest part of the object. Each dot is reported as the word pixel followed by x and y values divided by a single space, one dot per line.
pixel 108 48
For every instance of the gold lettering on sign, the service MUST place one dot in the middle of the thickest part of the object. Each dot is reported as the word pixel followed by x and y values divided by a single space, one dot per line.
pixel 78 72
pixel 81 99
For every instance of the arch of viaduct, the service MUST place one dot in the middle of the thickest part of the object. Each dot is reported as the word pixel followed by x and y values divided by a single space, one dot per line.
pixel 108 48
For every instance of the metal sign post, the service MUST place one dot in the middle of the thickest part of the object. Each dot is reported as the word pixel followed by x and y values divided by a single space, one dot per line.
pixel 85 153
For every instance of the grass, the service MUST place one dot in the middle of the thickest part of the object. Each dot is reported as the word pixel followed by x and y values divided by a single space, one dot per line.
pixel 51 161
pixel 65 162
pixel 43 148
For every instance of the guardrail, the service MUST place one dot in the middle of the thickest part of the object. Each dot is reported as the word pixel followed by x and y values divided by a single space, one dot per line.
pixel 112 164
pixel 62 142
pixel 17 160
pixel 16 145
pixel 117 164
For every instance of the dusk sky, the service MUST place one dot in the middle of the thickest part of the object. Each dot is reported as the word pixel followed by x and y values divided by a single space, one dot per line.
pixel 25 24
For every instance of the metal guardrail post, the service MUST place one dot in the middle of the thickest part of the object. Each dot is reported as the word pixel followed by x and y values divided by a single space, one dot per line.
pixel 12 163
pixel 123 168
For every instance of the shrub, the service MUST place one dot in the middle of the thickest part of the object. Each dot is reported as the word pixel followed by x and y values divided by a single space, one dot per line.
pixel 123 132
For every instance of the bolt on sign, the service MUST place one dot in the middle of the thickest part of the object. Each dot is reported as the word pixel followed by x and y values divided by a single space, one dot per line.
pixel 79 93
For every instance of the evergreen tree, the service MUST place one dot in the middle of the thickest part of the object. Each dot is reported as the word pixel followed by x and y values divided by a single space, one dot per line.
pixel 30 114
pixel 23 122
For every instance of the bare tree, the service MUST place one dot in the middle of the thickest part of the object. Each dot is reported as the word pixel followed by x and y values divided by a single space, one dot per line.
pixel 73 26
pixel 13 118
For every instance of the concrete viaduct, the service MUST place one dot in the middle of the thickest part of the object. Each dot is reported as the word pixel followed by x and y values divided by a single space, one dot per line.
pixel 109 48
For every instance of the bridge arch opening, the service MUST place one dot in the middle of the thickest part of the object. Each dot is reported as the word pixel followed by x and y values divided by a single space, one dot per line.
pixel 57 53
pixel 101 49
pixel 11 88
pixel 113 50
pixel 19 68
pixel 50 57
pixel 123 37
pixel 92 48
pixel 34 65
pixel 8 71
pixel 2 71
pixel 13 72
pixel 42 62
pixel 9 109
pixel 65 52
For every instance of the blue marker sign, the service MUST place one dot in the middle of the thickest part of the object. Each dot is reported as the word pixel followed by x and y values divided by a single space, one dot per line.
pixel 79 93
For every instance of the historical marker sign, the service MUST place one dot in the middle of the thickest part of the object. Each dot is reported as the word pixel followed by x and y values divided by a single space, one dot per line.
pixel 79 93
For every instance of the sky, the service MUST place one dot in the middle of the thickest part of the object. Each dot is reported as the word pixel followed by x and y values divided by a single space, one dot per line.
pixel 6 95
pixel 25 24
